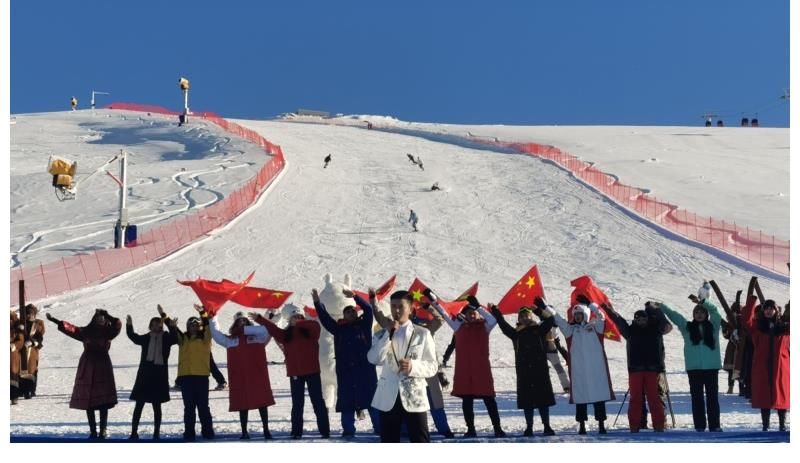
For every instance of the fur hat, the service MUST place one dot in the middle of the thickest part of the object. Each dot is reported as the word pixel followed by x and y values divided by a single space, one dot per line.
pixel 296 311
pixel 640 313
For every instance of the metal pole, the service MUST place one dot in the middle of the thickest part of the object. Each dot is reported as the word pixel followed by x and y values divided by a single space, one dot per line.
pixel 122 224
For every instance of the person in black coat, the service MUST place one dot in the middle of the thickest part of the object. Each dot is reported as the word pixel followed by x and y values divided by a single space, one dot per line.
pixel 152 379
pixel 645 352
pixel 534 389
pixel 356 378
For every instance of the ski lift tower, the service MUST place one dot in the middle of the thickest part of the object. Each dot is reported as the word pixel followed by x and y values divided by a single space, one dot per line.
pixel 95 92
pixel 183 82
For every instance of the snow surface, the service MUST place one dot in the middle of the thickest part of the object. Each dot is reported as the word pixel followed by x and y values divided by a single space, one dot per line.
pixel 171 170
pixel 498 215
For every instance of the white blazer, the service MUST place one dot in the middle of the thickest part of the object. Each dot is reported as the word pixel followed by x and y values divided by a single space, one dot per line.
pixel 412 388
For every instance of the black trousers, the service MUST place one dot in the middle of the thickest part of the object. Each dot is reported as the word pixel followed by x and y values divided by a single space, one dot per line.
pixel 448 352
pixel 194 390
pixel 416 424
pixel 297 385
pixel 704 388
pixel 215 371
pixel 599 411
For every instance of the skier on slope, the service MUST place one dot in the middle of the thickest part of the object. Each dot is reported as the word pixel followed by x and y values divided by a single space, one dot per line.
pixel 73 102
pixel 327 160
pixel 419 163
pixel 411 158
pixel 413 219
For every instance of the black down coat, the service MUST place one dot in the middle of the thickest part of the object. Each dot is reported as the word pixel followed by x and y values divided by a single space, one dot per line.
pixel 534 389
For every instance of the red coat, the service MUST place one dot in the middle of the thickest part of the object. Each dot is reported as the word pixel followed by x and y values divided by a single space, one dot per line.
pixel 94 381
pixel 473 376
pixel 301 348
pixel 770 374
pixel 248 375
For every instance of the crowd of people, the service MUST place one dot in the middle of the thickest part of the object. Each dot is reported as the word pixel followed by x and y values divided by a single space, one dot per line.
pixel 411 381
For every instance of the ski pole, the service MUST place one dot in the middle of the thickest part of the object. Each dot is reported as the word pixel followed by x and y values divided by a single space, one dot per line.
pixel 669 400
pixel 620 407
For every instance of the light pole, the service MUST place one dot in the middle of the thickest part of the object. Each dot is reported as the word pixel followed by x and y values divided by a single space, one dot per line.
pixel 122 181
pixel 94 92
pixel 183 82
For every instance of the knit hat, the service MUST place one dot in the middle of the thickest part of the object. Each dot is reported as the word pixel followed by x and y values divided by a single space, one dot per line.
pixel 640 313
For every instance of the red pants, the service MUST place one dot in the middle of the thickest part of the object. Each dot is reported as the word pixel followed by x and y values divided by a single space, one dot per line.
pixel 644 384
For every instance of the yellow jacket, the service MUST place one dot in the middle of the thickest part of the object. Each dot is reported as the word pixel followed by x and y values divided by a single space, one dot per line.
pixel 194 354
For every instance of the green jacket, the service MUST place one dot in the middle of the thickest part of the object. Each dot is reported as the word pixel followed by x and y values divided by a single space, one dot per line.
pixel 698 357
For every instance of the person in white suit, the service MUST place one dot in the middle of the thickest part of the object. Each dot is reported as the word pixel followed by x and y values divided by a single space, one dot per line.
pixel 588 367
pixel 408 357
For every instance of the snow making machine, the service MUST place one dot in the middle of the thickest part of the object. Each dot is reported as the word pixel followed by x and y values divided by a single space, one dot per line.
pixel 63 172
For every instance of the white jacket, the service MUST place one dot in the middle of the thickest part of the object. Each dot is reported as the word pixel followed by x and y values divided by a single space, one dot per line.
pixel 412 388
pixel 588 367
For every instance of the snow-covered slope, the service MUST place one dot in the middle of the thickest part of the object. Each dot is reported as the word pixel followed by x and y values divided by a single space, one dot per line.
pixel 170 170
pixel 498 215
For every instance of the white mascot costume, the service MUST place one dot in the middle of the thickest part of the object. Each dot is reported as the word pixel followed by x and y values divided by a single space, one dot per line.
pixel 335 302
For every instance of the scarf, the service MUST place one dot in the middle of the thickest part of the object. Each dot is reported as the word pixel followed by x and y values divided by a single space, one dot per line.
pixel 154 352
pixel 707 335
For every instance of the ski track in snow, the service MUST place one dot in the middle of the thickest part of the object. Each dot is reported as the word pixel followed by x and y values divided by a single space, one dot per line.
pixel 498 215
pixel 148 200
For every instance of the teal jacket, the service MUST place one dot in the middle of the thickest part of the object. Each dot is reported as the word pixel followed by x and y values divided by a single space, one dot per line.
pixel 698 357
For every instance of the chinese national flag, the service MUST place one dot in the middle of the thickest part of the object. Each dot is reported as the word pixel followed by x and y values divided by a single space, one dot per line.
pixel 522 293
pixel 451 307
pixel 416 289
pixel 312 312
pixel 214 294
pixel 381 292
pixel 261 298
pixel 584 285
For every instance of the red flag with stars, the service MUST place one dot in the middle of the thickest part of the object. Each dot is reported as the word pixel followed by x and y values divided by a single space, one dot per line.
pixel 310 311
pixel 261 298
pixel 522 293
pixel 417 289
pixel 585 286
pixel 214 294
pixel 381 292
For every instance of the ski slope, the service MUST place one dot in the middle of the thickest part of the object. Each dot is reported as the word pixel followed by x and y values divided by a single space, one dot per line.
pixel 171 170
pixel 497 215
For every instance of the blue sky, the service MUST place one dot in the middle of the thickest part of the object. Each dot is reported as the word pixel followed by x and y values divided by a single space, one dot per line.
pixel 562 62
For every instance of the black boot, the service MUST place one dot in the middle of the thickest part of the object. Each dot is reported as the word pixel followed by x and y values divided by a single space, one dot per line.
pixel 92 424
pixel 582 428
pixel 103 423
pixel 601 427
pixel 765 419
pixel 782 420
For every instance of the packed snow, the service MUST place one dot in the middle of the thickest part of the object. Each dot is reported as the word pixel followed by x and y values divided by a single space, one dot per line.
pixel 497 215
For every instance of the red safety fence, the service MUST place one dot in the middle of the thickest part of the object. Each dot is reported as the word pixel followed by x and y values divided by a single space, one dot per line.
pixel 84 270
pixel 750 245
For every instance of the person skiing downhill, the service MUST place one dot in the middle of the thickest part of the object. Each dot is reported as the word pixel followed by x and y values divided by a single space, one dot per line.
pixel 413 219
pixel 419 163
pixel 327 160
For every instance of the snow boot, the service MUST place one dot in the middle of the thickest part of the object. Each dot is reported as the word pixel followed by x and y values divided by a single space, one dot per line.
pixel 582 428
pixel 548 431
pixel 782 420
pixel 470 432
pixel 601 427
pixel 133 436
pixel 528 432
